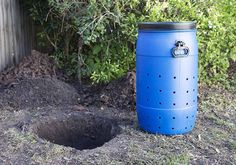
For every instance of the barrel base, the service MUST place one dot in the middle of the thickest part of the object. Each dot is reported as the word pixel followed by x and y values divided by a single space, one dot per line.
pixel 167 121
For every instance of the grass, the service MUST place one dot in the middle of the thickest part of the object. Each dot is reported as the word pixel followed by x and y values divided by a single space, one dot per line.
pixel 219 134
pixel 233 144
pixel 222 122
pixel 177 160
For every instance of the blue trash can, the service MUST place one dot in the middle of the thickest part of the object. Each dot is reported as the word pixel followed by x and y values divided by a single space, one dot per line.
pixel 167 77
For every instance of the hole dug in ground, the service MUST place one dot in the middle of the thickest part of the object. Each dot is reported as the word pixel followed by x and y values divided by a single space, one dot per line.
pixel 78 131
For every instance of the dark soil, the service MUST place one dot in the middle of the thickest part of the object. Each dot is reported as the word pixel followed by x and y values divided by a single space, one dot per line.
pixel 38 92
pixel 232 69
pixel 119 94
pixel 36 65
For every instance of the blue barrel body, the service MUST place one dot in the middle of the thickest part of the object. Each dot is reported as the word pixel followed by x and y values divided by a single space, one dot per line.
pixel 167 78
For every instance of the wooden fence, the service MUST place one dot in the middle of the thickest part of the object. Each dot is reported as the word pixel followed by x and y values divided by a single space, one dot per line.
pixel 15 33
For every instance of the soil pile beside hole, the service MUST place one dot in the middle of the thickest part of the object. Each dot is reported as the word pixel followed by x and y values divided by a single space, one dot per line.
pixel 119 93
pixel 80 131
pixel 35 65
pixel 38 92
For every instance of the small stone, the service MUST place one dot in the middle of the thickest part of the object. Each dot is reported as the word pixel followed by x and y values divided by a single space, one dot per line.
pixel 79 108
pixel 104 98
pixel 199 137
pixel 217 150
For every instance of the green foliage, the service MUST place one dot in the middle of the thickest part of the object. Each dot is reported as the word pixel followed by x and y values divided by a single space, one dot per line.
pixel 216 31
pixel 108 31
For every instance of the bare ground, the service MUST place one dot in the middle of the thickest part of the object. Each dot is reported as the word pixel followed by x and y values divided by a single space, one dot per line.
pixel 213 140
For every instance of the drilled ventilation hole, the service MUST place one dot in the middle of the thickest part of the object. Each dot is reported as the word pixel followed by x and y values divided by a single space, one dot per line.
pixel 160 90
pixel 186 127
pixel 187 79
pixel 174 104
pixel 173 128
pixel 187 91
pixel 187 117
pixel 173 117
pixel 159 127
pixel 159 117
pixel 193 90
pixel 174 77
pixel 174 92
pixel 160 103
pixel 159 76
pixel 193 77
pixel 186 103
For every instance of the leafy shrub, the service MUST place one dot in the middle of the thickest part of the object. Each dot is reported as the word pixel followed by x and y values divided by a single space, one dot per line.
pixel 101 34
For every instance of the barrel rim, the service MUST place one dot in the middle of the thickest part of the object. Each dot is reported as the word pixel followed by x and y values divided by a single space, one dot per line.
pixel 167 25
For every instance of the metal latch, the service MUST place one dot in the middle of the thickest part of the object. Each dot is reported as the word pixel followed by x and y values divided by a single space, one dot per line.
pixel 180 50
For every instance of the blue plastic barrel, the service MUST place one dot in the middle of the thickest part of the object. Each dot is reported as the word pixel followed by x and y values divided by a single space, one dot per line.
pixel 167 77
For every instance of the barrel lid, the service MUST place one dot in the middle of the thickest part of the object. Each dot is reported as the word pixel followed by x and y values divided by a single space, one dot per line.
pixel 167 25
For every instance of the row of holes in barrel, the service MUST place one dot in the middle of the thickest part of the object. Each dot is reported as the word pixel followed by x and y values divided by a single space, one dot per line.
pixel 174 92
pixel 173 118
pixel 174 77
pixel 174 128
pixel 187 117
pixel 174 104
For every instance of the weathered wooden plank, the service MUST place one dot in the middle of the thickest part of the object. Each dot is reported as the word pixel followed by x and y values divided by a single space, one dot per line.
pixel 13 18
pixel 10 33
pixel 19 31
pixel 15 33
pixel 1 38
pixel 24 32
pixel 7 33
pixel 4 24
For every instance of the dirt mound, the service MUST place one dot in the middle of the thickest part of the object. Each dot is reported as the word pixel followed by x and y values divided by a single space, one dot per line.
pixel 38 92
pixel 36 65
pixel 119 94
